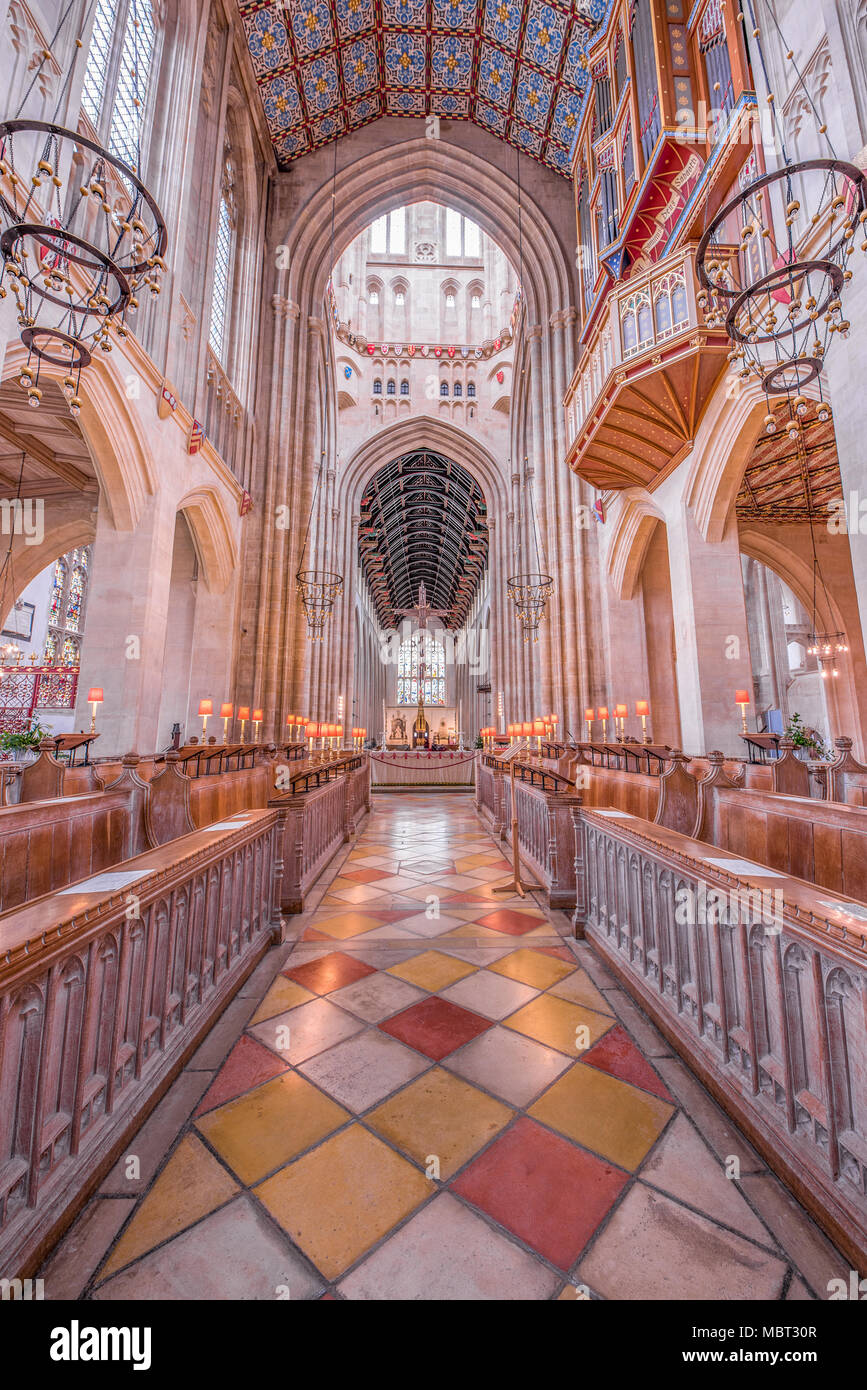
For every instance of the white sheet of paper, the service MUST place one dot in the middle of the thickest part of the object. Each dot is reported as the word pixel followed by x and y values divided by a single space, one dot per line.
pixel 624 815
pixel 104 883
pixel 858 910
pixel 227 824
pixel 741 866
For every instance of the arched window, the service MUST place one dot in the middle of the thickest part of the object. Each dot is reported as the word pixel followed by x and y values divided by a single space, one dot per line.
pixel 390 388
pixel 418 649
pixel 471 388
pixel 400 298
pixel 476 301
pixel 223 256
pixel 459 390
pixel 450 299
pixel 404 387
pixel 118 72
pixel 388 234
pixel 373 297
pixel 462 236
pixel 377 386
pixel 444 388
pixel 66 608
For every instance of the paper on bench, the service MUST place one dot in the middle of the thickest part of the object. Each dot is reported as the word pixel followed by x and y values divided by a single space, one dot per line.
pixel 104 883
pixel 742 866
pixel 858 910
pixel 227 824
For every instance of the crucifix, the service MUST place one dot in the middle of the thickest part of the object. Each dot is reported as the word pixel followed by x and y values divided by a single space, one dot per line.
pixel 422 610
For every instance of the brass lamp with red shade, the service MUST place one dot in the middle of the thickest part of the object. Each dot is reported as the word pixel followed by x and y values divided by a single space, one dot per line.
pixel 620 713
pixel 291 721
pixel 742 698
pixel 226 712
pixel 539 730
pixel 642 709
pixel 243 716
pixel 94 697
pixel 206 707
pixel 258 716
pixel 589 716
pixel 602 713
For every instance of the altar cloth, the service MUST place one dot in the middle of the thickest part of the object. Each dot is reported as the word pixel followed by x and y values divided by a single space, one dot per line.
pixel 421 768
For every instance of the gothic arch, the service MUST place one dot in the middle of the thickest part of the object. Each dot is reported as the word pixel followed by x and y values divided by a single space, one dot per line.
pixel 633 522
pixel 211 530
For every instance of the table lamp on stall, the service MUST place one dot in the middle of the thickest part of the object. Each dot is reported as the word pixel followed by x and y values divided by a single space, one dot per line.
pixel 602 714
pixel 642 709
pixel 94 697
pixel 258 716
pixel 742 698
pixel 226 712
pixel 206 707
pixel 243 716
pixel 589 716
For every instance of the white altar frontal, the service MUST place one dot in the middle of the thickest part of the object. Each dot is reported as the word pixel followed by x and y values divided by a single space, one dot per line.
pixel 448 767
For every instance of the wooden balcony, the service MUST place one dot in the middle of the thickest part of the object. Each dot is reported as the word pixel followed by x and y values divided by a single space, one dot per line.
pixel 646 374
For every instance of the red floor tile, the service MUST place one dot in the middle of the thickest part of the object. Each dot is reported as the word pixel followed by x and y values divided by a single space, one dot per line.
pixel 329 972
pixel 543 1189
pixel 435 1026
pixel 311 934
pixel 617 1054
pixel 512 923
pixel 247 1065
pixel 559 953
pixel 394 914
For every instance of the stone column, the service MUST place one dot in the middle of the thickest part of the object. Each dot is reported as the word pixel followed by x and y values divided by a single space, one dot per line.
pixel 711 641
pixel 127 613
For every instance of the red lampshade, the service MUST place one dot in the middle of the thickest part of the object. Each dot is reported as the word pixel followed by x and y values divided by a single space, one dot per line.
pixel 290 719
pixel 642 707
pixel 244 712
pixel 303 720
pixel 312 730
pixel 95 695
pixel 742 697
pixel 552 719
pixel 603 712
pixel 206 707
pixel 257 716
pixel 526 728
pixel 620 711
pixel 589 714
pixel 226 711
pixel 538 726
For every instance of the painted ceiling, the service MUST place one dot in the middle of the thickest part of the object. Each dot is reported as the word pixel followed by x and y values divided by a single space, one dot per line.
pixel 514 67
pixel 786 481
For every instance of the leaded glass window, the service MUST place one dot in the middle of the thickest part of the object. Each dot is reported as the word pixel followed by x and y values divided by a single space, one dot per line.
pixel 66 608
pixel 118 73
pixel 421 647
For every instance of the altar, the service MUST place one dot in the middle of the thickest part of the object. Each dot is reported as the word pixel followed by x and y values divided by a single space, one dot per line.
pixel 422 768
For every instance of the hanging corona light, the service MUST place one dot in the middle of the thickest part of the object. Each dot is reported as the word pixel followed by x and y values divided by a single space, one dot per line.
pixel 81 240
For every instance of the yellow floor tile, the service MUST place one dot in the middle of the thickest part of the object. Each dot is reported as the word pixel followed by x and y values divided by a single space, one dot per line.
pixel 608 1116
pixel 192 1184
pixel 284 994
pixel 270 1125
pixel 532 968
pixel 440 1116
pixel 475 861
pixel 343 1197
pixel 556 1023
pixel 347 924
pixel 580 989
pixel 432 970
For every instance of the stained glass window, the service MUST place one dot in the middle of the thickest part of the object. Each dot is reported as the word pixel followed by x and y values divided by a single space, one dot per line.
pixel 50 657
pixel 75 600
pixel 421 647
pixel 222 280
pixel 58 584
pixel 69 652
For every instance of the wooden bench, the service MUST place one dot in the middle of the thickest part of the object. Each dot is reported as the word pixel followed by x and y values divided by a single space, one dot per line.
pixel 106 989
pixel 759 980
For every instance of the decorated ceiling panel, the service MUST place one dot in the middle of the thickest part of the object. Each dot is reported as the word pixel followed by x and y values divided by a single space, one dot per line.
pixel 515 67
pixel 423 521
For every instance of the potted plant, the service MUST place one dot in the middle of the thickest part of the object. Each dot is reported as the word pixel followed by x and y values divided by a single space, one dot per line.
pixel 804 738
pixel 23 745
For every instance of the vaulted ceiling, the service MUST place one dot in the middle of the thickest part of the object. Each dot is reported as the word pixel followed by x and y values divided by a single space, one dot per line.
pixel 423 521
pixel 515 67
pixel 788 481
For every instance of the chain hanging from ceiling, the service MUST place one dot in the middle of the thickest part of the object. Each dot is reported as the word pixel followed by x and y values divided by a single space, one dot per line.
pixel 529 590
pixel 774 264
pixel 81 237
pixel 319 589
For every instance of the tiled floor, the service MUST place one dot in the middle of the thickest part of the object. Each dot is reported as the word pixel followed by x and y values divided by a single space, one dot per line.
pixel 435 1094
